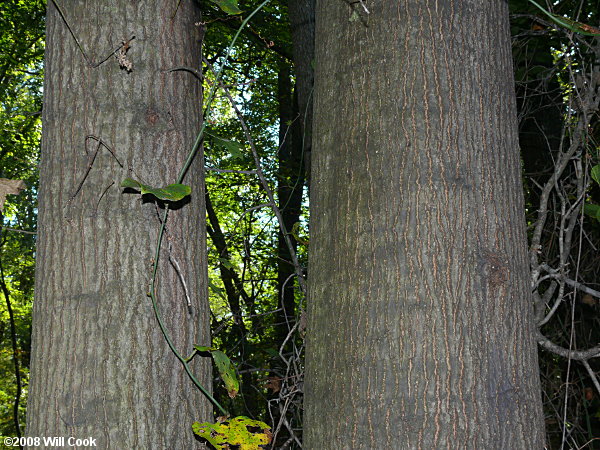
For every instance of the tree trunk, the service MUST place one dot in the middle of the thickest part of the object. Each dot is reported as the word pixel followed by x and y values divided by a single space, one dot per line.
pixel 290 186
pixel 100 366
pixel 420 318
pixel 302 24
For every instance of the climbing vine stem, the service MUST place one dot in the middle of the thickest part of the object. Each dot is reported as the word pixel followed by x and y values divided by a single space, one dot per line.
pixel 190 158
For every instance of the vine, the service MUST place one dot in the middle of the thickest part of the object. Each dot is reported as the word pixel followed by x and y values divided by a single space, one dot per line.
pixel 239 430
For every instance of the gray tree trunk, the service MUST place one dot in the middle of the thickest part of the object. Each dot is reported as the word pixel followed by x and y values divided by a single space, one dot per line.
pixel 420 318
pixel 302 24
pixel 100 365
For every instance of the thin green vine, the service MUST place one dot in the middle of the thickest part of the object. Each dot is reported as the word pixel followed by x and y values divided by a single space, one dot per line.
pixel 180 177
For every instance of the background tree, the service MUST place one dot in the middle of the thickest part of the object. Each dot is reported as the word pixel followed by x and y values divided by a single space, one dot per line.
pixel 420 321
pixel 112 109
pixel 22 43
pixel 557 83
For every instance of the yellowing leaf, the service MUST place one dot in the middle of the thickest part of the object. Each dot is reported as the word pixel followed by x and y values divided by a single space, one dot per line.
pixel 8 187
pixel 235 432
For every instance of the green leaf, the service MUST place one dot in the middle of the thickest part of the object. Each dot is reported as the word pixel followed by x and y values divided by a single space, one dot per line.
pixel 203 348
pixel 226 263
pixel 225 367
pixel 236 431
pixel 232 147
pixel 229 6
pixel 227 371
pixel 216 289
pixel 172 192
pixel 592 211
pixel 596 173
pixel 272 352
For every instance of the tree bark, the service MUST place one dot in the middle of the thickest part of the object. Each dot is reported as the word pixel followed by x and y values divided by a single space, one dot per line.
pixel 302 24
pixel 100 365
pixel 290 186
pixel 420 330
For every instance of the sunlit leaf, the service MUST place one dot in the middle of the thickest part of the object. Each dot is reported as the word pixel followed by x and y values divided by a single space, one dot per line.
pixel 226 263
pixel 228 6
pixel 172 192
pixel 9 187
pixel 232 147
pixel 239 431
pixel 216 289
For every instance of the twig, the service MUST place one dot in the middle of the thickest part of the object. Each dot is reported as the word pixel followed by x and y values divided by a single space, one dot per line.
pixel 191 70
pixel 15 358
pixel 85 57
pixel 592 375
pixel 576 355
pixel 91 160
pixel 577 285
pixel 16 230
pixel 247 172
pixel 265 184
pixel 180 275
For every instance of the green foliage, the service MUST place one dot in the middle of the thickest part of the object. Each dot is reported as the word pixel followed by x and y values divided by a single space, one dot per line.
pixel 237 431
pixel 21 75
pixel 595 173
pixel 232 147
pixel 225 367
pixel 592 211
pixel 229 6
pixel 172 192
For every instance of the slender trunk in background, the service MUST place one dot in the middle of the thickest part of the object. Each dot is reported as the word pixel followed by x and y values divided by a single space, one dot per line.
pixel 302 23
pixel 290 186
pixel 420 330
pixel 100 365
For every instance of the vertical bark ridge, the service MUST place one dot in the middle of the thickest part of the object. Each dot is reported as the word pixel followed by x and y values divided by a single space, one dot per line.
pixel 419 308
pixel 100 365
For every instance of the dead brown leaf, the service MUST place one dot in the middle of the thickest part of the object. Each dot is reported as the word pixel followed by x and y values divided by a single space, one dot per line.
pixel 7 187
pixel 273 383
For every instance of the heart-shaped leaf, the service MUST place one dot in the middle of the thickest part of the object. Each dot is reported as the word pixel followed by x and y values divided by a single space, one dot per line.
pixel 172 192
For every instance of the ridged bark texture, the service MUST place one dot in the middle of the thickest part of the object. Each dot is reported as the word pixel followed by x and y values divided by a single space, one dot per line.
pixel 420 317
pixel 100 365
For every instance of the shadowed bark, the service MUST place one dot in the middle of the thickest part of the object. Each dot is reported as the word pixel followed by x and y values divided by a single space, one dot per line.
pixel 420 321
pixel 100 365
